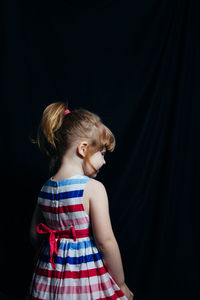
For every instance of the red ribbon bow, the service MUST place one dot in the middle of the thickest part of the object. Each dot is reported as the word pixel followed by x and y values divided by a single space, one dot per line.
pixel 43 229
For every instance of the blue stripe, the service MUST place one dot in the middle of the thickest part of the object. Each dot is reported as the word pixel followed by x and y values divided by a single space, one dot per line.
pixel 71 260
pixel 76 246
pixel 63 182
pixel 61 196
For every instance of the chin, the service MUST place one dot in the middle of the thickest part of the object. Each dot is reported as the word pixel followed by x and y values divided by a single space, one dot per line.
pixel 94 174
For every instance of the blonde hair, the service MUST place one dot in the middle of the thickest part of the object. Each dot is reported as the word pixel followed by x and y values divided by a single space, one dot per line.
pixel 58 131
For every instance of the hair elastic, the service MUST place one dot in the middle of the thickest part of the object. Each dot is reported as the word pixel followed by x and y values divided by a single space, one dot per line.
pixel 67 111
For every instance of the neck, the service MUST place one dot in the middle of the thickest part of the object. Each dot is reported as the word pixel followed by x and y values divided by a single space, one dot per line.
pixel 70 165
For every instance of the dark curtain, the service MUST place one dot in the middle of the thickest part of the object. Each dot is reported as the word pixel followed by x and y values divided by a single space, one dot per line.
pixel 136 64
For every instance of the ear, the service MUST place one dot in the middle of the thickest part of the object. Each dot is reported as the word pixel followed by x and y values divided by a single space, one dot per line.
pixel 82 148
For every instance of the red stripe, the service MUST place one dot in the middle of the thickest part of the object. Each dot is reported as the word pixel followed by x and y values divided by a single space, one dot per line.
pixel 70 274
pixel 62 209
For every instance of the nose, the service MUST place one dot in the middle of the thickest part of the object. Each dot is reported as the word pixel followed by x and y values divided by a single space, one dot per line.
pixel 104 162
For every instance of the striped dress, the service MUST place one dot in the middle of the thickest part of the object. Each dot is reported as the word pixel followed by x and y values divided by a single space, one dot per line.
pixel 75 270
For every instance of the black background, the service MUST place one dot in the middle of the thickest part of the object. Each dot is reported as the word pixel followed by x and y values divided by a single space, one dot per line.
pixel 135 64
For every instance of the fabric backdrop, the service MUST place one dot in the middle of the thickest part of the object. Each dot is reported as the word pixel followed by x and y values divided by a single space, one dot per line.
pixel 135 64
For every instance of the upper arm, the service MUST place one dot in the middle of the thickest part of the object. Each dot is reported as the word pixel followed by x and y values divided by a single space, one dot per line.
pixel 36 219
pixel 99 213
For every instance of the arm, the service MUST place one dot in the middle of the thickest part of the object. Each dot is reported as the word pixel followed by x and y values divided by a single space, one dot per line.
pixel 103 233
pixel 36 219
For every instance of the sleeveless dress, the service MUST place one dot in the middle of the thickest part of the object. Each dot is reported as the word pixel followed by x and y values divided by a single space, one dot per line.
pixel 69 267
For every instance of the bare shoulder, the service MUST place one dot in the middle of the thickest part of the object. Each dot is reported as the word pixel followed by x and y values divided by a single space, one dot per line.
pixel 94 193
pixel 95 187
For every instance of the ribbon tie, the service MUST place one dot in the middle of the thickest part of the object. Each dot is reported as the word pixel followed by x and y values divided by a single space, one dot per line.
pixel 73 233
pixel 43 229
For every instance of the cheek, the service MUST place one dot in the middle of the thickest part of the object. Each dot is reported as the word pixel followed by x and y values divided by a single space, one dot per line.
pixel 102 160
pixel 97 160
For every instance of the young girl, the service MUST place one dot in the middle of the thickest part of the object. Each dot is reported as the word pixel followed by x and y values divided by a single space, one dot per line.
pixel 80 258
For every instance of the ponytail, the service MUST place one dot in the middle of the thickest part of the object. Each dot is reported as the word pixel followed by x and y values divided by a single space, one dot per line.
pixel 52 120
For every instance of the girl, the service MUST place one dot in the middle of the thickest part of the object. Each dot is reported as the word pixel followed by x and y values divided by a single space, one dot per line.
pixel 80 258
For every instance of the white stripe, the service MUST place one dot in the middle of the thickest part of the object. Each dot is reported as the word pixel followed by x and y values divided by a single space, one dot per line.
pixel 78 252
pixel 75 267
pixel 63 188
pixel 63 202
pixel 73 281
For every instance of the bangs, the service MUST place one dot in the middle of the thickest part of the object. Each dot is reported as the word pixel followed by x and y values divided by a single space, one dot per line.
pixel 106 138
pixel 100 137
